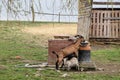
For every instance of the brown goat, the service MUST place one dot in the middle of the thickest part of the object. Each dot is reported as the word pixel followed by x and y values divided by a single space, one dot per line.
pixel 73 48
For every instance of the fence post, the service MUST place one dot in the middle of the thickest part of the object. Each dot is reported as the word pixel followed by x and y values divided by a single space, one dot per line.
pixel 59 17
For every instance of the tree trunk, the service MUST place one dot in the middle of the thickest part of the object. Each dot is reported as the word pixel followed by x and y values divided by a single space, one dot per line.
pixel 83 26
pixel 84 18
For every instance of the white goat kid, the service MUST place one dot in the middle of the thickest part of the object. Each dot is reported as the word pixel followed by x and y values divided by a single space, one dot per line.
pixel 73 62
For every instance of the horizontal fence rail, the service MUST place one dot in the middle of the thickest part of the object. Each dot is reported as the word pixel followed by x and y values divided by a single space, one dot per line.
pixel 106 3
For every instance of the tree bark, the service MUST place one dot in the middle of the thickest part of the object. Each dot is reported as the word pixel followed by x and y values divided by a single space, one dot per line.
pixel 84 19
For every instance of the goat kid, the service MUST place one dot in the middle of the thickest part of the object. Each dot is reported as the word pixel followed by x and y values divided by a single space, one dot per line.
pixel 73 48
pixel 73 62
pixel 68 57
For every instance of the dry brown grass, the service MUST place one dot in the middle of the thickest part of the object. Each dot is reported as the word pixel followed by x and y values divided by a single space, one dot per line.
pixel 51 30
pixel 41 34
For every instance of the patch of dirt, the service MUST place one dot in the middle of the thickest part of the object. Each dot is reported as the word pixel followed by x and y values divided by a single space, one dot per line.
pixel 2 67
pixel 106 68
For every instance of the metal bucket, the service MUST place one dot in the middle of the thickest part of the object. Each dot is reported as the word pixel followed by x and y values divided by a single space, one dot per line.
pixel 84 55
pixel 84 52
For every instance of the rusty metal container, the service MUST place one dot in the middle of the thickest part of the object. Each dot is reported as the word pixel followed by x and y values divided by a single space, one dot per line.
pixel 56 44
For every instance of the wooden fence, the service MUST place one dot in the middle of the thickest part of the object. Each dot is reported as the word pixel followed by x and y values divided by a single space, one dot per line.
pixel 105 24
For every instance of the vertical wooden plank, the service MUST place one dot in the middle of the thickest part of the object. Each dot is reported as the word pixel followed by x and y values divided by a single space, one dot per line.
pixel 107 35
pixel 114 26
pixel 118 22
pixel 97 27
pixel 108 27
pixel 116 15
pixel 111 25
pixel 101 23
pixel 119 26
pixel 105 24
pixel 115 23
pixel 94 23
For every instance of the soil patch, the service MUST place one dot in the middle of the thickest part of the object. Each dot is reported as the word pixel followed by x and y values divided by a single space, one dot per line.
pixel 2 67
pixel 108 68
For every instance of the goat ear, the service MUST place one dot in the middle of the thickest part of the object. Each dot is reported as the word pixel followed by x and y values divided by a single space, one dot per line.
pixel 76 35
pixel 79 36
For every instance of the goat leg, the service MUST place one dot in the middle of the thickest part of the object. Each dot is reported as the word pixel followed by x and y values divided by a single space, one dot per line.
pixel 57 66
pixel 62 64
pixel 78 67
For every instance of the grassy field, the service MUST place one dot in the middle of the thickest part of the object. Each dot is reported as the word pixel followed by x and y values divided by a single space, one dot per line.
pixel 29 42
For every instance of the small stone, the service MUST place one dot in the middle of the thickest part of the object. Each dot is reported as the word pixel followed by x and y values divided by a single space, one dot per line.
pixel 64 75
pixel 113 71
pixel 40 69
pixel 100 69
pixel 58 71
pixel 27 75
pixel 81 69
pixel 37 75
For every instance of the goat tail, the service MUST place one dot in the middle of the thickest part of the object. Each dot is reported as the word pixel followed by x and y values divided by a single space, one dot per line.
pixel 55 53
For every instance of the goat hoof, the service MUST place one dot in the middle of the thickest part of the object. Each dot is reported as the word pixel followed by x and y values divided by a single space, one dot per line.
pixel 58 70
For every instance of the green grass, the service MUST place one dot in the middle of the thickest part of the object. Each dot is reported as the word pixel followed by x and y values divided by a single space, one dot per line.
pixel 13 43
pixel 30 74
pixel 107 55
